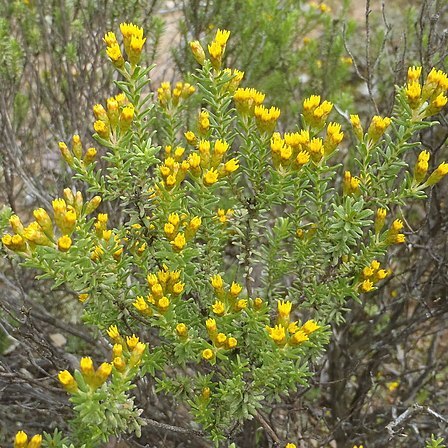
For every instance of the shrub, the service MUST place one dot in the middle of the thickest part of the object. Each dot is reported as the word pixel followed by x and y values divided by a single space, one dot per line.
pixel 234 246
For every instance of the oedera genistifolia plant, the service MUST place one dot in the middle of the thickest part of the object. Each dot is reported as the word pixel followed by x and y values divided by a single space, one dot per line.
pixel 232 246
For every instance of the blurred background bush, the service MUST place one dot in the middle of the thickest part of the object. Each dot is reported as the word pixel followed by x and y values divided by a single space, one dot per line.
pixel 388 359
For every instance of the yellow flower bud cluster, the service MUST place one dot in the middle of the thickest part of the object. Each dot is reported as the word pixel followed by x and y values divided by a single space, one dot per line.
pixel 181 229
pixel 289 333
pixel 371 275
pixel 41 232
pixel 77 152
pixel 377 128
pixel 203 122
pixel 133 41
pixel 246 99
pixel 393 235
pixel 350 184
pixel 421 167
pixel 170 98
pixel 206 163
pixel 249 102
pixel 224 215
pixel 220 340
pixel 93 378
pixel 21 440
pixel 114 120
pixel 106 242
pixel 429 99
pixel 236 76
pixel 227 297
pixel 296 149
pixel 217 48
pixel 316 113
pixel 165 287
pixel 127 352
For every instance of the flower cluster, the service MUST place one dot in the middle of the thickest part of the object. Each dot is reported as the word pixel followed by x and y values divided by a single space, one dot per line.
pixel 127 352
pixel 227 300
pixel 289 333
pixel 171 97
pixel 219 340
pixel 21 440
pixel 133 41
pixel 180 229
pixel 41 232
pixel 107 239
pixel 371 275
pixel 77 152
pixel 115 120
pixel 427 99
pixel 421 169
pixel 314 112
pixel 165 286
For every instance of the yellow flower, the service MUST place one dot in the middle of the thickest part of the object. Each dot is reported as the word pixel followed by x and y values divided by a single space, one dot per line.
pixel 67 380
pixel 132 341
pixel 208 354
pixel 241 304
pixel 366 286
pixel 163 304
pixel 110 39
pixel 174 219
pixel 195 223
pixel 86 366
pixel 316 149
pixel 210 177
pixel 83 297
pixel 64 243
pixel 302 158
pixel 113 333
pixel 298 337
pixel 277 334
pixel 231 343
pixel 438 174
pixel 309 327
pixel 377 127
pixel 101 128
pixel 178 288
pixel 217 282
pixel 103 372
pixel 413 92
pixel 157 290
pixel 220 339
pixel 284 308
pixel 142 306
pixel 357 126
pixel 115 55
pixel 211 325
pixel 290 445
pixel 218 308
pixel 20 440
pixel 380 219
pixel 35 441
pixel 220 147
pixel 181 330
pixel 179 242
pixel 235 289
pixel 258 303
pixel 198 52
pixel 119 364
pixel 117 350
pixel 414 73
pixel 231 166
pixel 222 36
